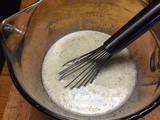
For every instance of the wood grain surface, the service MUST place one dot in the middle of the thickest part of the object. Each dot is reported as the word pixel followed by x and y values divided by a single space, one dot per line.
pixel 5 85
pixel 14 107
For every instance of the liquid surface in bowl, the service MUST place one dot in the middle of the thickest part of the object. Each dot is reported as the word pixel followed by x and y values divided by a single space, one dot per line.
pixel 111 88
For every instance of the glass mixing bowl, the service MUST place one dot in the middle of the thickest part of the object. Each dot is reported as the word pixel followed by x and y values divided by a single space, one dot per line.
pixel 30 33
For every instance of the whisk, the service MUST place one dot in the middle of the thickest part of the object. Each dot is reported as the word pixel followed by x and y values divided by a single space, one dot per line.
pixel 86 67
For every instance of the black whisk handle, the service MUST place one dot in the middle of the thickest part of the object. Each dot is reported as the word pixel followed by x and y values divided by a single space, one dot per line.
pixel 134 28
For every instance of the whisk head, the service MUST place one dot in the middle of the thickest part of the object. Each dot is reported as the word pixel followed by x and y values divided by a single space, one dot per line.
pixel 85 68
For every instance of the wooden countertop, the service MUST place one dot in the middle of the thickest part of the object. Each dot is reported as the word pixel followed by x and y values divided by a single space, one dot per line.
pixel 6 94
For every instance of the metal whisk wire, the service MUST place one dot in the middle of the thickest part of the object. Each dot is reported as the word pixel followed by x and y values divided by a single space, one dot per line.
pixel 87 66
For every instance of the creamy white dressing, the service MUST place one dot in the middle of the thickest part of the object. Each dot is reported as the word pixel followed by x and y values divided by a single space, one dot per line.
pixel 111 88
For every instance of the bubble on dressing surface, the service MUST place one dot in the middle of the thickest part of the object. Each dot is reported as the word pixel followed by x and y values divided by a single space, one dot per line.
pixel 110 89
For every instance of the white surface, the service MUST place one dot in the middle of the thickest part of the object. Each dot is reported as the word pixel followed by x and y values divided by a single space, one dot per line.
pixel 110 89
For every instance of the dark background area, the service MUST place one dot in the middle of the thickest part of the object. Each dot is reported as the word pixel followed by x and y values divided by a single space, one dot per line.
pixel 7 8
